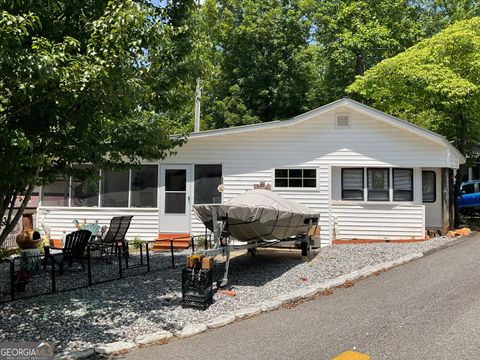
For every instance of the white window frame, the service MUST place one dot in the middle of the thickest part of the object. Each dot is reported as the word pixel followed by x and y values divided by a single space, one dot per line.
pixel 412 180
pixel 365 185
pixel 70 194
pixel 281 188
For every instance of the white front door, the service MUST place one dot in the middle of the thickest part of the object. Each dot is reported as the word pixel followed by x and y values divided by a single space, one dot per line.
pixel 175 198
pixel 432 197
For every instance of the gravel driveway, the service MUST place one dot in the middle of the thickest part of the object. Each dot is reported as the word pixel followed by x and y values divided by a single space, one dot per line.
pixel 126 308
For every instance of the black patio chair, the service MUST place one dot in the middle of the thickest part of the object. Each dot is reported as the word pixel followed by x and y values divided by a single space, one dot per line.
pixel 114 239
pixel 72 251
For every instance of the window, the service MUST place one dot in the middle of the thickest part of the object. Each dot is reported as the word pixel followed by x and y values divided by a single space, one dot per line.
pixel 115 188
pixel 378 184
pixel 84 192
pixel 476 172
pixel 175 191
pixel 352 184
pixel 295 178
pixel 402 184
pixel 207 179
pixel 144 186
pixel 429 187
pixel 468 188
pixel 56 193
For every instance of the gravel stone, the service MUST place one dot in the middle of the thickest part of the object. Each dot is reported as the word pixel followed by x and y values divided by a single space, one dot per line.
pixel 248 312
pixel 270 305
pixel 143 304
pixel 190 330
pixel 219 321
pixel 154 337
pixel 118 347
pixel 76 355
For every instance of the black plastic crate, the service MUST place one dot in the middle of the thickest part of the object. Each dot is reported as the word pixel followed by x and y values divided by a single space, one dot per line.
pixel 197 301
pixel 197 288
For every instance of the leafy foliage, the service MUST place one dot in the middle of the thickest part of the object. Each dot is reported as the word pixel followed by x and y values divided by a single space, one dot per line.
pixel 89 82
pixel 263 66
pixel 435 84
pixel 273 59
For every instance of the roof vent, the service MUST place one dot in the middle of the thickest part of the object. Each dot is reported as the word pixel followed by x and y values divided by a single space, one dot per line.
pixel 342 121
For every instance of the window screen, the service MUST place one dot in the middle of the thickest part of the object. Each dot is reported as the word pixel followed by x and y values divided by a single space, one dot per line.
pixel 115 188
pixel 468 188
pixel 56 193
pixel 428 186
pixel 296 178
pixel 85 192
pixel 207 179
pixel 378 184
pixel 402 184
pixel 352 184
pixel 144 186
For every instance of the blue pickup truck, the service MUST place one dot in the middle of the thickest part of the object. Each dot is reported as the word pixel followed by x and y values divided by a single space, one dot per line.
pixel 469 199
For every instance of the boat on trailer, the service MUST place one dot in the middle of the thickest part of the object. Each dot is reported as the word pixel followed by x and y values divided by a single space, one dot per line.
pixel 259 215
pixel 256 218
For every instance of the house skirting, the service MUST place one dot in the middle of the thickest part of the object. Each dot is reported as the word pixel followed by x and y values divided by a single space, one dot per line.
pixel 371 241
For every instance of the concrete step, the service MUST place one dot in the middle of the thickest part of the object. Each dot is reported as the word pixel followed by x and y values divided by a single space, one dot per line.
pixel 180 241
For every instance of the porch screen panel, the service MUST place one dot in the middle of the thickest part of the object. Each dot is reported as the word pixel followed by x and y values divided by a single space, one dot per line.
pixel 352 184
pixel 402 184
pixel 115 188
pixel 175 191
pixel 56 193
pixel 378 184
pixel 85 192
pixel 144 186
pixel 207 180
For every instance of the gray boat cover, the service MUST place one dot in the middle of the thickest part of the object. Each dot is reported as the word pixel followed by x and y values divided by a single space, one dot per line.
pixel 259 215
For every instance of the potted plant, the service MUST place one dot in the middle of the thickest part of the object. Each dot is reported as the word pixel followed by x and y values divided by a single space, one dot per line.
pixel 21 279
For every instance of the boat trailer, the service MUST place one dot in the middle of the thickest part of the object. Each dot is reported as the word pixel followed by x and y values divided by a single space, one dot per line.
pixel 224 243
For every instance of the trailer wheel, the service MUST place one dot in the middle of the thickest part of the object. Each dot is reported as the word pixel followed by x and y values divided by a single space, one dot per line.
pixel 252 251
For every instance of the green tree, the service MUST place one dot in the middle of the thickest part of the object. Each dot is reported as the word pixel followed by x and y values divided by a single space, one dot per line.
pixel 438 14
pixel 80 85
pixel 435 84
pixel 355 35
pixel 263 66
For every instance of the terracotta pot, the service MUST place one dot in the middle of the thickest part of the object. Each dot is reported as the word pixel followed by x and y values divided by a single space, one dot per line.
pixel 29 239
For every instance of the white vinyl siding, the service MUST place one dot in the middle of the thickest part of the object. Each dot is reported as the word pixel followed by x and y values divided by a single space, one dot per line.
pixel 144 222
pixel 379 221
pixel 248 158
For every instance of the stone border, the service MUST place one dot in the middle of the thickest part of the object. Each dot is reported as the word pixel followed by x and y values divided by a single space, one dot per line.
pixel 161 337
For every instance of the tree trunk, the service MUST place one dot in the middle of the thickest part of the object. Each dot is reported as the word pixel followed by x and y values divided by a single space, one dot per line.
pixel 456 194
pixel 10 223
pixel 359 65
pixel 461 169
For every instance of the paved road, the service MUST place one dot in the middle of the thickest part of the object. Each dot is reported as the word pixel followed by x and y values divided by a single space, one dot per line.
pixel 426 309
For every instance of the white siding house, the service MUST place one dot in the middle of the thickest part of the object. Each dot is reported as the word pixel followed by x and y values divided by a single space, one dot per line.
pixel 369 176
